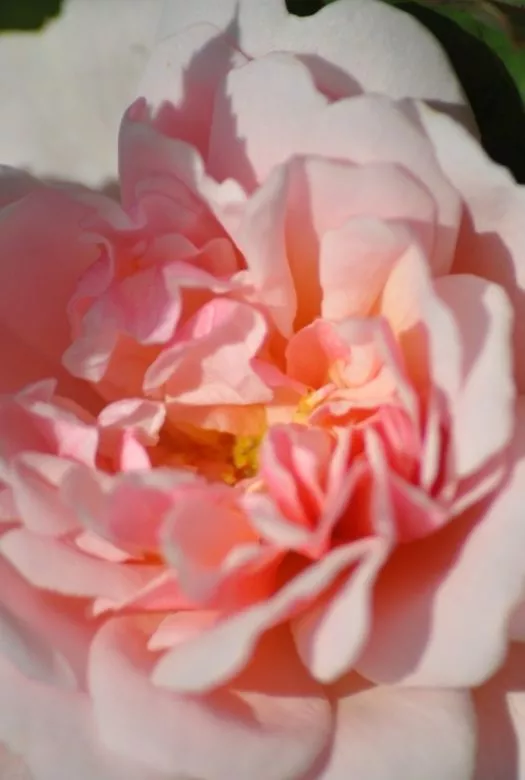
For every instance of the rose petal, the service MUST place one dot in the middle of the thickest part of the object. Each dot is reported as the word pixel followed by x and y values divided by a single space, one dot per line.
pixel 491 242
pixel 277 714
pixel 181 79
pixel 473 567
pixel 500 710
pixel 382 733
pixel 212 366
pixel 39 270
pixel 261 237
pixel 483 412
pixel 256 95
pixel 53 565
pixel 354 264
pixel 186 668
pixel 53 734
pixel 401 59
pixel 330 635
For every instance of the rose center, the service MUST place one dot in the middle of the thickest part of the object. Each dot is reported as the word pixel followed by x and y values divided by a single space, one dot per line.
pixel 215 455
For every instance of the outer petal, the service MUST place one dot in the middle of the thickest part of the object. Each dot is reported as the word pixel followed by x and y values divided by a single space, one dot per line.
pixel 53 734
pixel 181 80
pixel 483 414
pixel 261 237
pixel 458 330
pixel 270 724
pixel 500 708
pixel 77 74
pixel 401 59
pixel 442 606
pixel 277 86
pixel 44 636
pixel 491 241
pixel 330 635
pixel 385 733
pixel 295 120
pixel 164 178
pixel 12 767
pixel 38 272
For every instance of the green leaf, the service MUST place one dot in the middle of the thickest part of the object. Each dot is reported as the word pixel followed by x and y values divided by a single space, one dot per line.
pixel 27 14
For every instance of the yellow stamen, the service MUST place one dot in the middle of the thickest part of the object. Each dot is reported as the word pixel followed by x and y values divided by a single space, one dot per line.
pixel 305 407
pixel 245 454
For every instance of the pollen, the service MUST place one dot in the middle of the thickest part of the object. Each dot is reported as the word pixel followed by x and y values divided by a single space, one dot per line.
pixel 305 407
pixel 245 455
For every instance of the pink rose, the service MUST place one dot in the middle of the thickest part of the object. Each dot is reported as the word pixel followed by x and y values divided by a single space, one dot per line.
pixel 262 456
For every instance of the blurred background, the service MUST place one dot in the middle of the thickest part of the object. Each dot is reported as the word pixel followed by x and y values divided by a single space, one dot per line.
pixel 69 68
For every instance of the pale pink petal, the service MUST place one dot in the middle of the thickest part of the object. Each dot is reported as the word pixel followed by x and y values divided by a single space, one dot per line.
pixel 424 327
pixel 53 734
pixel 56 566
pixel 261 237
pixel 52 633
pixel 12 766
pixel 162 594
pixel 491 242
pixel 40 425
pixel 163 180
pixel 388 733
pixel 402 60
pixel 38 273
pixel 500 711
pixel 324 196
pixel 149 308
pixel 312 351
pixel 181 626
pixel 186 668
pixel 294 465
pixel 213 365
pixel 455 333
pixel 353 130
pixel 94 545
pixel 330 635
pixel 483 411
pixel 354 264
pixel 208 538
pixel 35 480
pixel 430 595
pixel 327 193
pixel 30 652
pixel 275 712
pixel 260 117
pixel 272 526
pixel 138 414
pixel 126 509
pixel 181 80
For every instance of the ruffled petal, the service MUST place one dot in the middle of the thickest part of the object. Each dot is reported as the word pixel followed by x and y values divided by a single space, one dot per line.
pixel 430 596
pixel 271 722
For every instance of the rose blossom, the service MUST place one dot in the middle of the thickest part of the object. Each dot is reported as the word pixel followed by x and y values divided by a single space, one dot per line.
pixel 262 436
